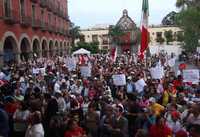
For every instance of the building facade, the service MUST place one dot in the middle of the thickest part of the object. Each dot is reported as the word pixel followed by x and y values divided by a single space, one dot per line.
pixel 157 32
pixel 98 34
pixel 33 27
pixel 101 35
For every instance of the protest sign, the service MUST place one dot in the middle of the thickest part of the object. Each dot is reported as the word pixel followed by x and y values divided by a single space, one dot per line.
pixel 71 64
pixel 85 71
pixel 139 85
pixel 171 62
pixel 43 70
pixel 191 75
pixel 35 70
pixel 119 80
pixel 157 72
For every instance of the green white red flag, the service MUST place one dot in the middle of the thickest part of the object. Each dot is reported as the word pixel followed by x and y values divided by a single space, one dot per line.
pixel 144 28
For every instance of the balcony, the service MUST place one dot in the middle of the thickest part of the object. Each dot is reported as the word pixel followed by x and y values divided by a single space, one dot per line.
pixel 50 5
pixel 44 26
pixel 36 23
pixel 34 1
pixel 43 3
pixel 9 16
pixel 25 21
pixel 50 28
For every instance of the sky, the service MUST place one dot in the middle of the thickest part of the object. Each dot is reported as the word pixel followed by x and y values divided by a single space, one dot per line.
pixel 88 13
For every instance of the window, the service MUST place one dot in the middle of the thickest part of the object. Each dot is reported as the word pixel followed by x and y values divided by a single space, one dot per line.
pixel 55 20
pixel 7 8
pixel 94 38
pixel 158 34
pixel 49 18
pixel 42 17
pixel 105 39
pixel 33 13
pixel 22 10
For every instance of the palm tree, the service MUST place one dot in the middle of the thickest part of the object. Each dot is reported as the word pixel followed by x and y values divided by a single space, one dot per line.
pixel 74 33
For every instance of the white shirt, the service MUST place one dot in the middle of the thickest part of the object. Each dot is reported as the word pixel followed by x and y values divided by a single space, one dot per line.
pixel 36 130
pixel 61 104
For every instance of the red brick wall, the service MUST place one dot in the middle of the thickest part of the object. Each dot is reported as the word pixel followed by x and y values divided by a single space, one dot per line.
pixel 18 30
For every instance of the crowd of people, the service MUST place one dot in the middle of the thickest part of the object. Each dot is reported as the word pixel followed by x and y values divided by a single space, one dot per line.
pixel 44 98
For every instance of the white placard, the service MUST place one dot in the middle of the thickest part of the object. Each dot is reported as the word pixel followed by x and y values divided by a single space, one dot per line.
pixel 71 64
pixel 85 71
pixel 43 70
pixel 36 70
pixel 157 72
pixel 191 75
pixel 119 80
pixel 139 85
pixel 172 62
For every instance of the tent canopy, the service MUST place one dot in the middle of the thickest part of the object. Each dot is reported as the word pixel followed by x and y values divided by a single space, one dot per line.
pixel 81 52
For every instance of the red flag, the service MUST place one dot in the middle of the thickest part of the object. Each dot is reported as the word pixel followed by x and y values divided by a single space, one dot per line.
pixel 81 60
pixel 113 54
pixel 144 37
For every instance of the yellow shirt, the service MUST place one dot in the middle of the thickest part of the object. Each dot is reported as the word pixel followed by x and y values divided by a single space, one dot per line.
pixel 165 99
pixel 157 109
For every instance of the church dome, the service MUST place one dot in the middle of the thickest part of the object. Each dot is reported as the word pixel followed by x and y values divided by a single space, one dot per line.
pixel 125 22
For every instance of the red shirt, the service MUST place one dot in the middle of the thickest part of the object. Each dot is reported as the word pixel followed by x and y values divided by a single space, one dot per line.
pixel 78 132
pixel 156 131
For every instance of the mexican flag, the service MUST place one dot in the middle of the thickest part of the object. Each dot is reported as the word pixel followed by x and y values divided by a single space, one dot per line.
pixel 113 54
pixel 144 28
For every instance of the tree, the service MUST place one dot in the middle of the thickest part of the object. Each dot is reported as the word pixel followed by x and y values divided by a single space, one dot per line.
pixel 189 20
pixel 74 33
pixel 160 40
pixel 115 33
pixel 93 47
pixel 180 37
pixel 184 4
pixel 168 36
pixel 170 19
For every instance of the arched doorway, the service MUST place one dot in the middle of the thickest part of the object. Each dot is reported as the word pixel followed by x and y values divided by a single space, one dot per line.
pixel 9 50
pixel 61 48
pixel 25 50
pixel 56 48
pixel 36 48
pixel 44 49
pixel 65 48
pixel 51 48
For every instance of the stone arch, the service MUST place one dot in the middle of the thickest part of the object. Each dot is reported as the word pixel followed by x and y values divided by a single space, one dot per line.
pixel 24 35
pixel 51 48
pixel 65 47
pixel 10 49
pixel 44 48
pixel 56 45
pixel 25 48
pixel 36 47
pixel 61 49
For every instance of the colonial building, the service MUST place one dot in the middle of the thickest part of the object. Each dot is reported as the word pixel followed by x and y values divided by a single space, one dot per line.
pixel 98 33
pixel 129 41
pixel 157 32
pixel 33 27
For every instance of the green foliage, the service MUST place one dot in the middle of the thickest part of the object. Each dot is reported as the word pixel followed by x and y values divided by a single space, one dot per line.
pixel 189 20
pixel 161 40
pixel 74 33
pixel 180 37
pixel 169 36
pixel 93 47
pixel 115 33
